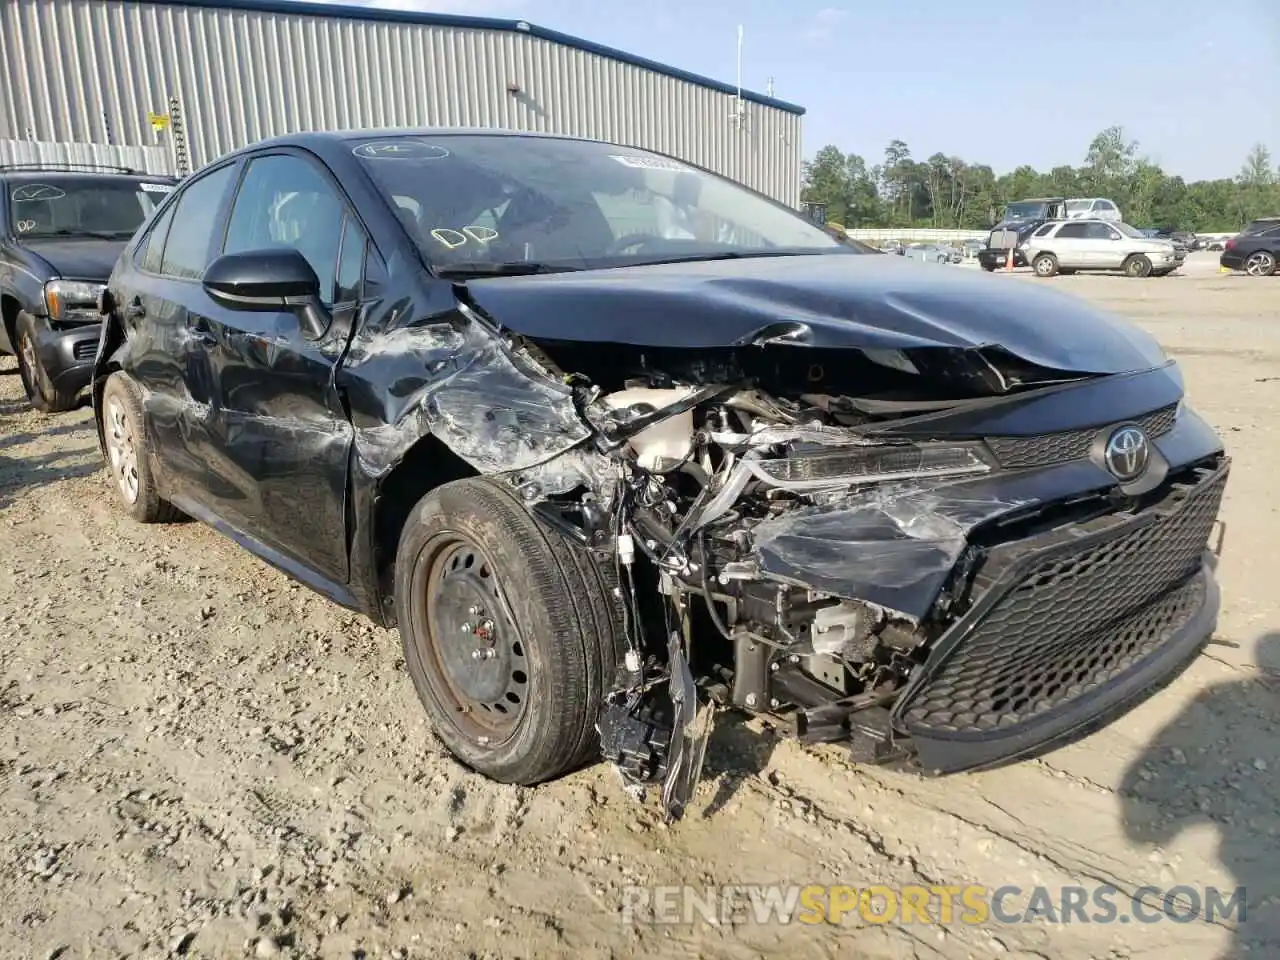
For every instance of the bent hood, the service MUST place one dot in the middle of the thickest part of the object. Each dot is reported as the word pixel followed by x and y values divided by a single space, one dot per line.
pixel 836 300
pixel 78 259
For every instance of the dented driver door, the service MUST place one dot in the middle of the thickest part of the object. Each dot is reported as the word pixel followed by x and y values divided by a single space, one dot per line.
pixel 280 433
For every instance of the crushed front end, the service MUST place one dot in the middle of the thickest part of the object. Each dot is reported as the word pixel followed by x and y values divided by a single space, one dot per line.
pixel 967 574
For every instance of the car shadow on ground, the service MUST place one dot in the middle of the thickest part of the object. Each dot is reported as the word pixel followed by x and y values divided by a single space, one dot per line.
pixel 20 474
pixel 1217 764
pixel 735 751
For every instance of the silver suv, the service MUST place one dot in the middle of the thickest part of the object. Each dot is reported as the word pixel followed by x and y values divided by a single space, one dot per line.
pixel 1065 246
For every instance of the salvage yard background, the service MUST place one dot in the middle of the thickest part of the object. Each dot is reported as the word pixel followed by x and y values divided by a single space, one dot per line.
pixel 199 757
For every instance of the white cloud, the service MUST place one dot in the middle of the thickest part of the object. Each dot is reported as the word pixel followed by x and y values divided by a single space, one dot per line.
pixel 825 23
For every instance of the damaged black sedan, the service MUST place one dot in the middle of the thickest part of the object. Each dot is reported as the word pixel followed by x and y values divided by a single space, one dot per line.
pixel 616 443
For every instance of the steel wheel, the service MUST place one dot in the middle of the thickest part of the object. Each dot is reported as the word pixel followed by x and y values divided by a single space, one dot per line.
pixel 473 655
pixel 1260 264
pixel 122 449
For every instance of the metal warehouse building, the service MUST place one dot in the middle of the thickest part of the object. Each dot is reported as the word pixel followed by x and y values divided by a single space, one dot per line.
pixel 92 71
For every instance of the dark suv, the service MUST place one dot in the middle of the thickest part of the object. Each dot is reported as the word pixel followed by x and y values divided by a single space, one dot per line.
pixel 62 226
pixel 615 442
pixel 1019 220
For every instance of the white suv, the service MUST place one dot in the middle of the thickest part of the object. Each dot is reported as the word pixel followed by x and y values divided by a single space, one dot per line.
pixel 1069 245
pixel 1093 208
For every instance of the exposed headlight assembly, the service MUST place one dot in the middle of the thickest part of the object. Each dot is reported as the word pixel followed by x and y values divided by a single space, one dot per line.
pixel 72 301
pixel 849 466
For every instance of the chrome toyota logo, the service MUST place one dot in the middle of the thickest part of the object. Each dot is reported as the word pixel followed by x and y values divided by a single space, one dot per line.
pixel 1128 453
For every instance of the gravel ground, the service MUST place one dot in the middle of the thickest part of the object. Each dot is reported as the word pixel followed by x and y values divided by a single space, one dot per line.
pixel 199 758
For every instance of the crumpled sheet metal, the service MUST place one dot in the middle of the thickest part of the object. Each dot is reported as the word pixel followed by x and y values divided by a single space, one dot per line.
pixel 499 413
pixel 893 547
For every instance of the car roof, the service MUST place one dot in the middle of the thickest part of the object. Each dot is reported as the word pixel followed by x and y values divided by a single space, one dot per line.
pixel 321 139
pixel 27 175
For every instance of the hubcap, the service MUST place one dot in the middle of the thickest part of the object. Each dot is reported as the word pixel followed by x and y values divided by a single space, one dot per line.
pixel 122 450
pixel 471 652
pixel 1259 264
pixel 31 365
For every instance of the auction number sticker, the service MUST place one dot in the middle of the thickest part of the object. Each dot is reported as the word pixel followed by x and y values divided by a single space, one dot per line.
pixel 647 163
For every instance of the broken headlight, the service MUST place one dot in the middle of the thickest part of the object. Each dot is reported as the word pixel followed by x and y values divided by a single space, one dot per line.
pixel 827 467
pixel 72 301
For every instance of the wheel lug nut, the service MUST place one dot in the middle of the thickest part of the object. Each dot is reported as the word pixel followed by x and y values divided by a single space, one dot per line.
pixel 474 610
pixel 466 628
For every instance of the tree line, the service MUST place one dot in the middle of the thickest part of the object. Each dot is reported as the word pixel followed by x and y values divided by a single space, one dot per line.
pixel 948 192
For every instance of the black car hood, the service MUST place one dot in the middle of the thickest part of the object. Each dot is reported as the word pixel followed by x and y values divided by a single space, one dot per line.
pixel 78 259
pixel 836 300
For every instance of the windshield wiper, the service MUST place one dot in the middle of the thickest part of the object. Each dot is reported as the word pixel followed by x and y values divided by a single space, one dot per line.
pixel 725 255
pixel 517 268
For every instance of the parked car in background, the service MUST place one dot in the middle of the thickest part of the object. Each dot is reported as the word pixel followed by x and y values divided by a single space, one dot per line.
pixel 970 248
pixel 1093 208
pixel 929 253
pixel 1018 221
pixel 1072 245
pixel 607 476
pixel 893 246
pixel 1255 251
pixel 61 228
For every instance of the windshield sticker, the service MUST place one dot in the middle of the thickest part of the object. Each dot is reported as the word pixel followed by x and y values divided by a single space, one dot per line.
pixel 26 226
pixel 156 187
pixel 648 163
pixel 36 191
pixel 453 239
pixel 400 149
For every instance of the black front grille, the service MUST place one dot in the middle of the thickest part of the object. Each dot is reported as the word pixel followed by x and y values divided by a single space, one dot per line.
pixel 1072 622
pixel 85 350
pixel 1016 452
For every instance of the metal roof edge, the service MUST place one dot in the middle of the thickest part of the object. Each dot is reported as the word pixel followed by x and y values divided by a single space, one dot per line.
pixel 349 11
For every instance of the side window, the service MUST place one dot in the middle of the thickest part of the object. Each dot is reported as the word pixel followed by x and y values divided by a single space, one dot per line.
pixel 1045 230
pixel 1100 231
pixel 351 257
pixel 1106 206
pixel 284 201
pixel 1073 231
pixel 186 248
pixel 151 250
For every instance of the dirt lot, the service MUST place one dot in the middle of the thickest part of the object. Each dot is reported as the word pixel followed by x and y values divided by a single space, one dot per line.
pixel 198 757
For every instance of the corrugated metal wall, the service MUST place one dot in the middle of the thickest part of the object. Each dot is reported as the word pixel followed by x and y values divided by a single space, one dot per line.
pixel 146 159
pixel 75 68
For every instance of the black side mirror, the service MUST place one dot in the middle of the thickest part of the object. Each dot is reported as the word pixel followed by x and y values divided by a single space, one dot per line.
pixel 269 281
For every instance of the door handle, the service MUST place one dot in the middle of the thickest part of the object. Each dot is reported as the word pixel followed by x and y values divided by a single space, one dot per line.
pixel 135 310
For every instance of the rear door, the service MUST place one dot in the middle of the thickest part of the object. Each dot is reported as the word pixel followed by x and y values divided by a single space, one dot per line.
pixel 281 436
pixel 159 296
pixel 1070 245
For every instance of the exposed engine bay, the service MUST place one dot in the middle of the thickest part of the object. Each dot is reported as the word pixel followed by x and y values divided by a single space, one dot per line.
pixel 782 550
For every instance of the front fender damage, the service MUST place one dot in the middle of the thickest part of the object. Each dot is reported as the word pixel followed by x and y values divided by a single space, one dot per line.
pixel 771 548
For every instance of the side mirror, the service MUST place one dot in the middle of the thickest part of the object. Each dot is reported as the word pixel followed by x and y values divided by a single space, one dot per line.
pixel 269 281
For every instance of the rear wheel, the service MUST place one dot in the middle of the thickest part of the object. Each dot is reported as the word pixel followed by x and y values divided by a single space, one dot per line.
pixel 1137 266
pixel 1260 264
pixel 511 634
pixel 128 463
pixel 1045 265
pixel 42 393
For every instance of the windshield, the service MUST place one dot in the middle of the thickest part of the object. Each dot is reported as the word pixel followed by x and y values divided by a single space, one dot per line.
pixel 1025 210
pixel 82 206
pixel 574 204
pixel 1129 231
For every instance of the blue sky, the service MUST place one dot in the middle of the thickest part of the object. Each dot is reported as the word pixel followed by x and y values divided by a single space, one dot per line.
pixel 1196 83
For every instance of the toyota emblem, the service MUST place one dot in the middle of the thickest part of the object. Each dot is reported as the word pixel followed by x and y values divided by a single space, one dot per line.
pixel 1128 453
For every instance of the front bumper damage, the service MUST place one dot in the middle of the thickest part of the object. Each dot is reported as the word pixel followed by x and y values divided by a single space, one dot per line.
pixel 959 579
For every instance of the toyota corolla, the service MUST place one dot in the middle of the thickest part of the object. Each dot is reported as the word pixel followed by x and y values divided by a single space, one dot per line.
pixel 617 443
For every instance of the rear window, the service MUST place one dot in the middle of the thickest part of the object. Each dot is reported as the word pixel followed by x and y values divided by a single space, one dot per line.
pixel 61 206
pixel 1262 224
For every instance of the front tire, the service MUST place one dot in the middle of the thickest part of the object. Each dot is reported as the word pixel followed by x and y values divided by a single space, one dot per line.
pixel 128 463
pixel 1045 265
pixel 41 392
pixel 511 634
pixel 1137 266
pixel 1260 264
